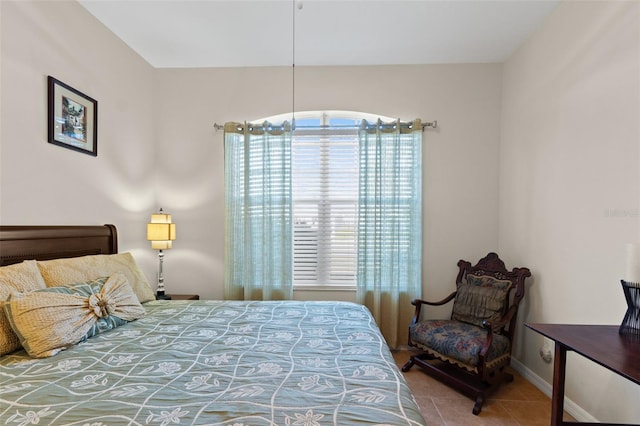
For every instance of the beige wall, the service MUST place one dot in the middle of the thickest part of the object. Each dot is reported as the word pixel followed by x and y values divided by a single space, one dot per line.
pixel 538 158
pixel 460 157
pixel 44 183
pixel 569 183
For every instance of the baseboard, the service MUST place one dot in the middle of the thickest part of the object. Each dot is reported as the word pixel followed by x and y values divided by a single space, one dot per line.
pixel 570 407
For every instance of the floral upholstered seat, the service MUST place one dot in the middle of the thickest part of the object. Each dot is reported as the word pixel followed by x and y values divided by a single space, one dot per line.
pixel 477 339
pixel 458 342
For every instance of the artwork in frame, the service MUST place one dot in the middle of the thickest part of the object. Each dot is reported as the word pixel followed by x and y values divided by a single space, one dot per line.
pixel 73 118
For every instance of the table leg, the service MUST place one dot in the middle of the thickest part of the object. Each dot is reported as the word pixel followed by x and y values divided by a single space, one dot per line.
pixel 559 369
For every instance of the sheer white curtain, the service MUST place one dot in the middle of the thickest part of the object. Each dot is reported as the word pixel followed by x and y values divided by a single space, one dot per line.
pixel 258 261
pixel 390 224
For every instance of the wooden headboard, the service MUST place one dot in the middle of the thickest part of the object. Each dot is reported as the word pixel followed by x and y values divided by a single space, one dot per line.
pixel 18 243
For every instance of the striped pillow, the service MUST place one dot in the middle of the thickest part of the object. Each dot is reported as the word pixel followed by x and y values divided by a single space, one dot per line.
pixel 21 277
pixel 53 319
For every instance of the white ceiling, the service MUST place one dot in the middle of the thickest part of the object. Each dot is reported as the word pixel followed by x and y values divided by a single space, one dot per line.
pixel 238 33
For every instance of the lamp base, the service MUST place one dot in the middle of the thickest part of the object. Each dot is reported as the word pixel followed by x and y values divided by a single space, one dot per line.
pixel 631 322
pixel 161 296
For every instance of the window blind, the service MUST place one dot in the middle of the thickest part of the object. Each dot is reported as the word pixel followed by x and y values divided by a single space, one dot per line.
pixel 325 206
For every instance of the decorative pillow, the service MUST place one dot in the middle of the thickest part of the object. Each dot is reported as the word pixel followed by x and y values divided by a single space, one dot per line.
pixel 480 298
pixel 50 320
pixel 21 277
pixel 61 272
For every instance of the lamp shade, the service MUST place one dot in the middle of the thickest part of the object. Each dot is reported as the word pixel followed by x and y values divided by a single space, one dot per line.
pixel 160 231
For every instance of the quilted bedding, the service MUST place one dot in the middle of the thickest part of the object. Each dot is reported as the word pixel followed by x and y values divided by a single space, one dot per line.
pixel 217 363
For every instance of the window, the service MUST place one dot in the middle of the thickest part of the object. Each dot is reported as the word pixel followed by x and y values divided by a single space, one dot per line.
pixel 324 197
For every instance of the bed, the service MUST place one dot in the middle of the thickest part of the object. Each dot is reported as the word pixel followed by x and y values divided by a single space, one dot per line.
pixel 203 361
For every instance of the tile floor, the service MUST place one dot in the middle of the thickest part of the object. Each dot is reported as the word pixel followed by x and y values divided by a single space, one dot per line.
pixel 516 403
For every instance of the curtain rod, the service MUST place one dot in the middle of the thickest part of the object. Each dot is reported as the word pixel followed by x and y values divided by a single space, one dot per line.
pixel 425 125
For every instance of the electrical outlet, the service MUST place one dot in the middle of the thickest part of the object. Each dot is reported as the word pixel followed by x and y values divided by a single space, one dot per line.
pixel 546 353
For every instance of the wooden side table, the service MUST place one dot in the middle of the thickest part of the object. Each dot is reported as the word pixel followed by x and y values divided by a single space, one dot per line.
pixel 184 296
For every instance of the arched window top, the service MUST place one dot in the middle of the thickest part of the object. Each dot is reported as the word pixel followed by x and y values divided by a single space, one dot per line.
pixel 333 118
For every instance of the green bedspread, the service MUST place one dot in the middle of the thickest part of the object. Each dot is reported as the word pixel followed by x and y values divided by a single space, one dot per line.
pixel 219 363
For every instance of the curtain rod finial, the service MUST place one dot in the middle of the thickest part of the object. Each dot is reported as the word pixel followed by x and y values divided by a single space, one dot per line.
pixel 430 124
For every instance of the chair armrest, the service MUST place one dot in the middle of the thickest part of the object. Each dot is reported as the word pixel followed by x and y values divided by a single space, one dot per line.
pixel 416 302
pixel 487 325
pixel 502 322
pixel 419 302
pixel 494 325
pixel 490 326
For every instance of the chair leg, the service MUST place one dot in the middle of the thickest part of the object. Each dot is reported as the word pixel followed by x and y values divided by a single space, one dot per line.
pixel 412 360
pixel 508 377
pixel 478 405
pixel 480 397
pixel 407 366
pixel 501 376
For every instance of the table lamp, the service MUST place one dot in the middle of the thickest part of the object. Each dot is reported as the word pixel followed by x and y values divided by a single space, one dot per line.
pixel 161 232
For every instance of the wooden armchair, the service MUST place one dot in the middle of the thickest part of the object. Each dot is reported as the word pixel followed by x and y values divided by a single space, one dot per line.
pixel 470 350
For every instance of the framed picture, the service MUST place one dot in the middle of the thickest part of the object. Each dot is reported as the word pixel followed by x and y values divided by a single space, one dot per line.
pixel 73 118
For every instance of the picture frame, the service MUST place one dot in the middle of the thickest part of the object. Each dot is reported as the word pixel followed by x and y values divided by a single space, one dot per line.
pixel 72 118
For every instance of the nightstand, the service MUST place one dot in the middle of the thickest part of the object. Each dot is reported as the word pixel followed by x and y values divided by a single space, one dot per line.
pixel 184 296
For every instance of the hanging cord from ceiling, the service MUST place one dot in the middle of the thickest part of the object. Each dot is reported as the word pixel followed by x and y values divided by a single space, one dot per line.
pixel 298 4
